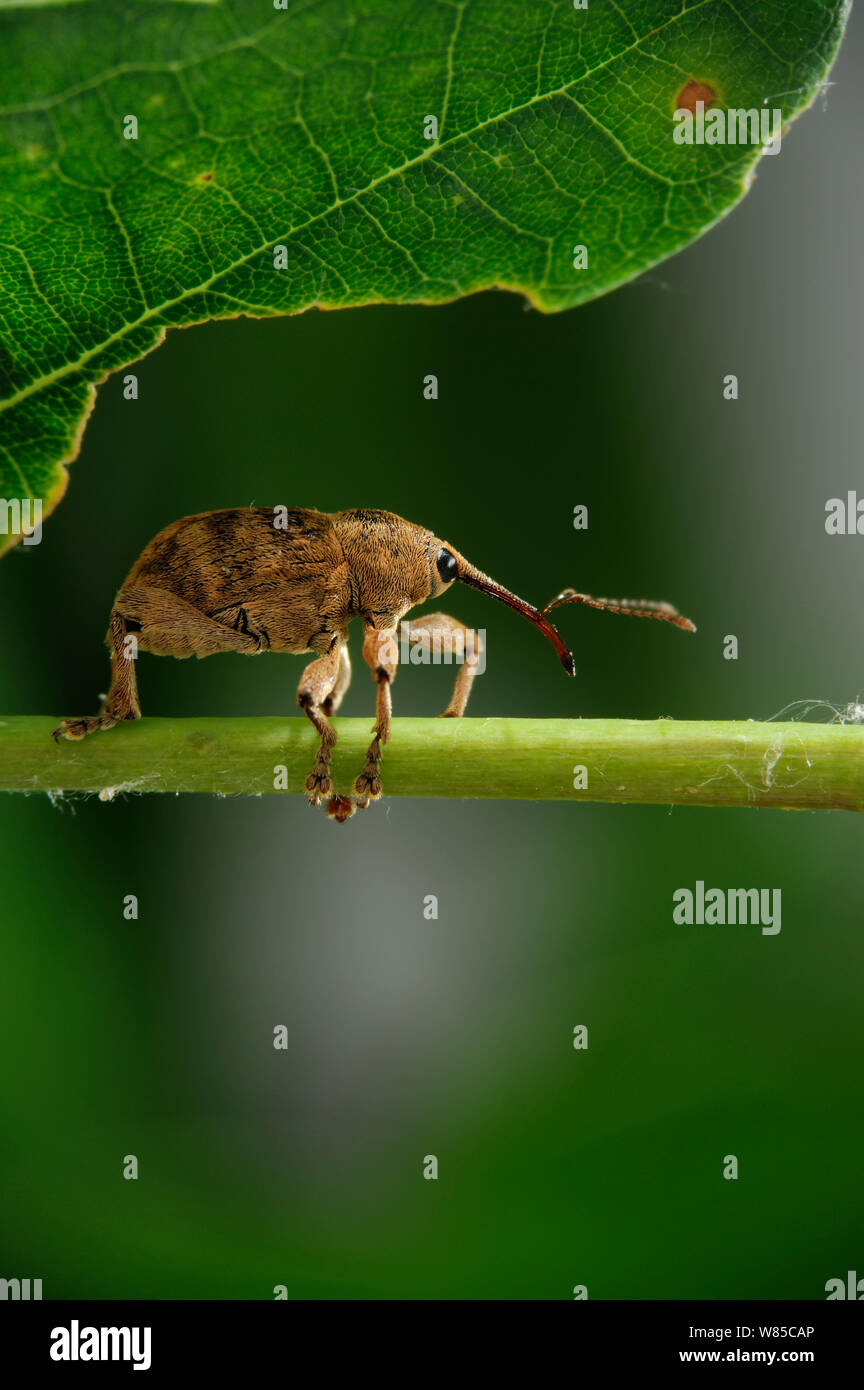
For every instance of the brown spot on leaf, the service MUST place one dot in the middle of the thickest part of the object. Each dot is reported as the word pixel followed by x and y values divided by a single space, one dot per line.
pixel 692 92
pixel 205 178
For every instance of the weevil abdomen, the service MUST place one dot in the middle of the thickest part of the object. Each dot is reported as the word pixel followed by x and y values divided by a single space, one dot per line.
pixel 277 575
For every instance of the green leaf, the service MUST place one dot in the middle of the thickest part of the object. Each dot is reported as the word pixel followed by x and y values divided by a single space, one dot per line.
pixel 304 128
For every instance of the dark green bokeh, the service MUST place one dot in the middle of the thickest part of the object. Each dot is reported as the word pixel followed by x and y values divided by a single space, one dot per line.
pixel 408 1038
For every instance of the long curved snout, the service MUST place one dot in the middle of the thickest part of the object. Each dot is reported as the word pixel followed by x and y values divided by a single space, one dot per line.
pixel 478 580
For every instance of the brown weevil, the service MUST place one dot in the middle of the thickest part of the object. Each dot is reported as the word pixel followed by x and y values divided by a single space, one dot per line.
pixel 290 580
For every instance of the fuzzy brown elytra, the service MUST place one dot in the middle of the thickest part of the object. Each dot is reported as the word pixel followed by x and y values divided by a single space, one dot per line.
pixel 291 580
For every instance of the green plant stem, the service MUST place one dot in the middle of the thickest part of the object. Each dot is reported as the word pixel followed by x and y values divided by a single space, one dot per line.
pixel 718 763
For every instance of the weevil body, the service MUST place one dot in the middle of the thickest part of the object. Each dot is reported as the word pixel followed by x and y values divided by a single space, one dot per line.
pixel 270 579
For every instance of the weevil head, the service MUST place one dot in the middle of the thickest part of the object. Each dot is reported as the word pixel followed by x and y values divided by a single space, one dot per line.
pixel 448 566
pixel 392 563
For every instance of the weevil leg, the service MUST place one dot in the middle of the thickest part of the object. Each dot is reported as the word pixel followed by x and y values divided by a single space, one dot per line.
pixel 343 680
pixel 161 623
pixel 316 687
pixel 170 626
pixel 121 702
pixel 381 654
pixel 439 634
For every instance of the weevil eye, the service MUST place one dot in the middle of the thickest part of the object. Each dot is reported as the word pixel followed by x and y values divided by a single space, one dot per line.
pixel 446 565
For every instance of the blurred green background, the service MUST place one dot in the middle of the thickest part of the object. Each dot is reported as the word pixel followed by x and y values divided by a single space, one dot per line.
pixel 454 1037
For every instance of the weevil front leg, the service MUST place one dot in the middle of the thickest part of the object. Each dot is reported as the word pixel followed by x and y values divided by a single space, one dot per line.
pixel 381 654
pixel 439 634
pixel 343 680
pixel 315 696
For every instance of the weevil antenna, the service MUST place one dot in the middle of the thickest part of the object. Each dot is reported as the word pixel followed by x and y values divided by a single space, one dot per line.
pixel 633 607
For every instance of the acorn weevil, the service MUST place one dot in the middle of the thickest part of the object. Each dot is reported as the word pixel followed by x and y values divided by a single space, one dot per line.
pixel 290 580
